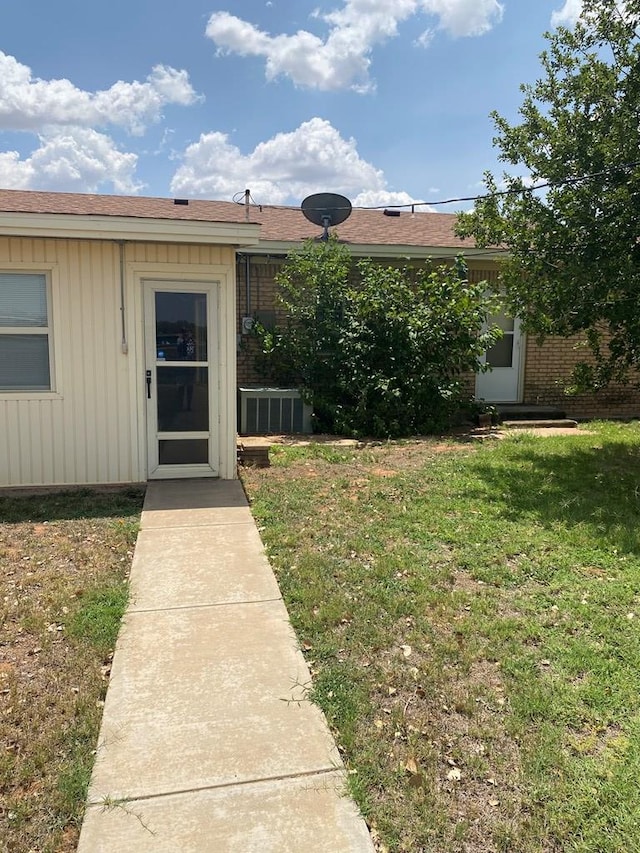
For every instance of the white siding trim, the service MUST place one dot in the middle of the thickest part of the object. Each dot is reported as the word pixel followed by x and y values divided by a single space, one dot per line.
pixel 131 228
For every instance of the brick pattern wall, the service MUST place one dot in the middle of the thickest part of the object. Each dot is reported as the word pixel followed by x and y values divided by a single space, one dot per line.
pixel 547 373
pixel 262 272
pixel 478 273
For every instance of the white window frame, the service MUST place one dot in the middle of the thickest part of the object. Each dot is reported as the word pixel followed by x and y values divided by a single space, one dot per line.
pixel 50 276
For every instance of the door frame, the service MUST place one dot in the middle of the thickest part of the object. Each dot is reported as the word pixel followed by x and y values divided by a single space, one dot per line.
pixel 519 353
pixel 224 358
pixel 156 470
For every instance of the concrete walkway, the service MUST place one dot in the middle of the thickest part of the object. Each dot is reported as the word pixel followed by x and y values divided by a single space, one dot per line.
pixel 207 742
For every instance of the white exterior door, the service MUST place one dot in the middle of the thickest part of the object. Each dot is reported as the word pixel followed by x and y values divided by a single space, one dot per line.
pixel 501 384
pixel 181 379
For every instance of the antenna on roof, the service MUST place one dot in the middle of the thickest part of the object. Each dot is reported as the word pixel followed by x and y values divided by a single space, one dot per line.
pixel 326 209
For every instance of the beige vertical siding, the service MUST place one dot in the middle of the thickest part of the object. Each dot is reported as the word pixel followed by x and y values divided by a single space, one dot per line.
pixel 89 429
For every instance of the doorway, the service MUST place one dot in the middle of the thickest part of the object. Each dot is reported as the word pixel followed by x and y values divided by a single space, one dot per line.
pixel 501 384
pixel 181 379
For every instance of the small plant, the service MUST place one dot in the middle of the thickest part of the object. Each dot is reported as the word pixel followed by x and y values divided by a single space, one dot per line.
pixel 484 414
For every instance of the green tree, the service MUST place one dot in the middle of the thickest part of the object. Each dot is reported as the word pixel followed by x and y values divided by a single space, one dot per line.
pixel 574 250
pixel 304 350
pixel 378 350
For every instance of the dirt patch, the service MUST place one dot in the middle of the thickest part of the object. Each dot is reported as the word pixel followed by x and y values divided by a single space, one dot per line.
pixel 479 767
pixel 450 448
pixel 450 750
pixel 51 683
pixel 462 581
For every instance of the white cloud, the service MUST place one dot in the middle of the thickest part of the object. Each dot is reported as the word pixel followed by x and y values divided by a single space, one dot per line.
pixel 465 17
pixel 342 59
pixel 284 169
pixel 568 15
pixel 29 103
pixel 72 160
pixel 382 198
pixel 574 9
pixel 425 38
pixel 72 155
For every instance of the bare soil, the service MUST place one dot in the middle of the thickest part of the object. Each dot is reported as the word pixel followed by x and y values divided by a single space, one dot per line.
pixel 52 682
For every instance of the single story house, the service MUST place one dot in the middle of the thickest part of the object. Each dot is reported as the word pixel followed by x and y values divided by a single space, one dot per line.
pixel 122 321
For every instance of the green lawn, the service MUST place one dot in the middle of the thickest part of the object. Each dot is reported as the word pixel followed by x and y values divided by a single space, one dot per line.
pixel 470 612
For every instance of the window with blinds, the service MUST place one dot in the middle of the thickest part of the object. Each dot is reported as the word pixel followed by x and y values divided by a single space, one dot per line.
pixel 24 332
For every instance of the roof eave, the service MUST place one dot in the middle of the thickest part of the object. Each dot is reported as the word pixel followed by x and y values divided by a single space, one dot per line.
pixel 368 250
pixel 79 226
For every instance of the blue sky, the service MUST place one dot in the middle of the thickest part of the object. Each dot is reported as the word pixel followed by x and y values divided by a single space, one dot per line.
pixel 384 101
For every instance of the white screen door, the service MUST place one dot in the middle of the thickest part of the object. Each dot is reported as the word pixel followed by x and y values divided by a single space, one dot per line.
pixel 181 379
pixel 501 384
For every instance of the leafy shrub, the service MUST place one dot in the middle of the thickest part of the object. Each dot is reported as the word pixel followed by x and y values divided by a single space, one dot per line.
pixel 379 350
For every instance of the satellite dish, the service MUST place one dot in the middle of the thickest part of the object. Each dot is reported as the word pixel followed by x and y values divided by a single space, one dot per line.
pixel 326 209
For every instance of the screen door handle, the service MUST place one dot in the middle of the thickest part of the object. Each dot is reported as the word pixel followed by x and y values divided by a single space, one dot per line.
pixel 148 384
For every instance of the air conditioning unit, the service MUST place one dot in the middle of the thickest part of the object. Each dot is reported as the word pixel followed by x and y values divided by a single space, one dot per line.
pixel 273 410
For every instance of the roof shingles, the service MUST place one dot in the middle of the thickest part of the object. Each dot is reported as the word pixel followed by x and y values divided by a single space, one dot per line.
pixel 278 224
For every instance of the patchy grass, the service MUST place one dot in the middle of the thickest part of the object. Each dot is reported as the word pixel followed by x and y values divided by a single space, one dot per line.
pixel 64 563
pixel 470 613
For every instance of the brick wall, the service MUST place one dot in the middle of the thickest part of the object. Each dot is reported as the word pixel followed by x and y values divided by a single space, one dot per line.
pixel 262 297
pixel 548 370
pixel 547 373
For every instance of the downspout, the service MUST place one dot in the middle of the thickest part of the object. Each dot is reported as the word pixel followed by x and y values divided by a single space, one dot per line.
pixel 247 281
pixel 247 258
pixel 124 344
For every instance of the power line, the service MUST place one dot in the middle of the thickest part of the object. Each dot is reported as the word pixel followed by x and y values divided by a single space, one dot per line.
pixel 513 191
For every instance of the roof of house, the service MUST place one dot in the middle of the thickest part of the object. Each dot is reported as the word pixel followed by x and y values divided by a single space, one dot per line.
pixel 364 227
pixel 278 225
pixel 81 204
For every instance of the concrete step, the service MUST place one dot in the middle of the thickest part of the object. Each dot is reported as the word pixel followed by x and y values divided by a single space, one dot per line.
pixel 255 454
pixel 557 423
pixel 524 412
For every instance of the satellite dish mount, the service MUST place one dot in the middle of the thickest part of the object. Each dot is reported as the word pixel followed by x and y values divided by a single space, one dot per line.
pixel 326 209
